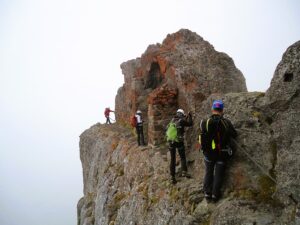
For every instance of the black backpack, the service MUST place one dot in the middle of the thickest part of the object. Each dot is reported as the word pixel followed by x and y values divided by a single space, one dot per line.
pixel 216 134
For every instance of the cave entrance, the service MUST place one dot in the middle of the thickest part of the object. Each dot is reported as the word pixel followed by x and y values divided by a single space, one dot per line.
pixel 154 77
pixel 288 77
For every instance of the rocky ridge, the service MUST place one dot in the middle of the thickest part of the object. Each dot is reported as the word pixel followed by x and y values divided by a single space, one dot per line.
pixel 128 185
pixel 184 65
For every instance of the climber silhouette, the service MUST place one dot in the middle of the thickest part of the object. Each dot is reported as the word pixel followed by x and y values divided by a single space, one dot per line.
pixel 139 127
pixel 216 132
pixel 107 111
pixel 180 121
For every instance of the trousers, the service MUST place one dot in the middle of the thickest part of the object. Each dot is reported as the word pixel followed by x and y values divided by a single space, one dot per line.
pixel 140 135
pixel 108 120
pixel 213 179
pixel 181 150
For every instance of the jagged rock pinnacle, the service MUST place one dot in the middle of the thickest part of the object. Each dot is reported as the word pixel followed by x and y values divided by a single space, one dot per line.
pixel 128 185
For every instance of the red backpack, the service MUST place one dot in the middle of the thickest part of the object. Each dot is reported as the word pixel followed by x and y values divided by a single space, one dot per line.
pixel 106 112
pixel 133 121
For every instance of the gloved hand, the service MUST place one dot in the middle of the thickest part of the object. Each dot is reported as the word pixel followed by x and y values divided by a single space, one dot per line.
pixel 200 148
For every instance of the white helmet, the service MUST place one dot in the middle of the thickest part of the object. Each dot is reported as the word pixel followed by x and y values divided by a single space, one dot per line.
pixel 180 111
pixel 138 112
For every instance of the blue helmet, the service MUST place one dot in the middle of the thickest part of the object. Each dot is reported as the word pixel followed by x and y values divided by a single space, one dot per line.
pixel 218 105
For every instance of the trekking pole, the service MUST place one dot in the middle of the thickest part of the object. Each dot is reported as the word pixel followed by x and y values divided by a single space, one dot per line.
pixel 257 164
pixel 112 119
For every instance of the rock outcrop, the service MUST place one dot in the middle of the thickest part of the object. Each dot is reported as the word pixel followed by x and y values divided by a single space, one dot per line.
pixel 184 63
pixel 128 185
pixel 284 101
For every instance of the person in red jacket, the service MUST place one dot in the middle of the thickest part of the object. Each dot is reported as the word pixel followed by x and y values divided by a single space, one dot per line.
pixel 106 114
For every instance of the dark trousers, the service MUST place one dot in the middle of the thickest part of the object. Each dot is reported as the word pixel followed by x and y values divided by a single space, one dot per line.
pixel 181 151
pixel 108 120
pixel 214 173
pixel 140 135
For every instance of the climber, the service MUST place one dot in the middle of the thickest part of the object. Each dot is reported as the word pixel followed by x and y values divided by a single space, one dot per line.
pixel 180 121
pixel 216 132
pixel 139 127
pixel 107 111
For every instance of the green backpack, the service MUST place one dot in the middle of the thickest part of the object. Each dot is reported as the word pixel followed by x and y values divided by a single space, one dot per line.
pixel 171 132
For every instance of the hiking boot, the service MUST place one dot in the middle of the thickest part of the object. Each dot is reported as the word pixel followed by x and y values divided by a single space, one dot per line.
pixel 186 174
pixel 214 198
pixel 207 196
pixel 172 180
pixel 143 148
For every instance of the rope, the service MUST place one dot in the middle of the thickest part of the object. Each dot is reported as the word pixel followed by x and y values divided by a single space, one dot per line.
pixel 291 196
pixel 257 164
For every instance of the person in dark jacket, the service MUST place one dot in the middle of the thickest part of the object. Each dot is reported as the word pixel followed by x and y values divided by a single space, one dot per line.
pixel 216 132
pixel 181 122
pixel 139 128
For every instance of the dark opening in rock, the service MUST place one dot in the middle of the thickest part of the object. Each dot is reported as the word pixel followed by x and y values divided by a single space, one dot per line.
pixel 288 77
pixel 154 77
pixel 269 120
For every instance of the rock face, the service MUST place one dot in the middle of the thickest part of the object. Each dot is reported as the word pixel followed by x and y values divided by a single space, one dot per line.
pixel 128 185
pixel 284 100
pixel 185 63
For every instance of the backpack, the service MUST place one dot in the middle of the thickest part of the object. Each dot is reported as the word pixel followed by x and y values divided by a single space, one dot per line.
pixel 106 112
pixel 217 135
pixel 133 121
pixel 171 132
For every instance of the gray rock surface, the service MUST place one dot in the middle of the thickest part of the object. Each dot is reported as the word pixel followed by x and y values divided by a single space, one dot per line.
pixel 284 100
pixel 184 62
pixel 128 185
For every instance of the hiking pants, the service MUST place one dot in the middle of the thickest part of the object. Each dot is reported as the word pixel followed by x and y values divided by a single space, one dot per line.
pixel 214 173
pixel 181 151
pixel 140 135
pixel 108 120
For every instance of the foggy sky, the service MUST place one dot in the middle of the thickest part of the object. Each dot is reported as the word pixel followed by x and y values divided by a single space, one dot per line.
pixel 60 67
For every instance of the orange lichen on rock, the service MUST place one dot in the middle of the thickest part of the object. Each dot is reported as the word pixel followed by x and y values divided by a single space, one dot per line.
pixel 162 64
pixel 171 40
pixel 163 96
pixel 139 72
pixel 240 180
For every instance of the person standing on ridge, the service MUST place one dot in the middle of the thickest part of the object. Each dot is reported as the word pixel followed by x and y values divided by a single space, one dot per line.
pixel 107 111
pixel 216 132
pixel 175 137
pixel 139 127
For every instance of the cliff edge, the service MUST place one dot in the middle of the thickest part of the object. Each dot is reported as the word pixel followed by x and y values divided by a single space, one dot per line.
pixel 128 185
